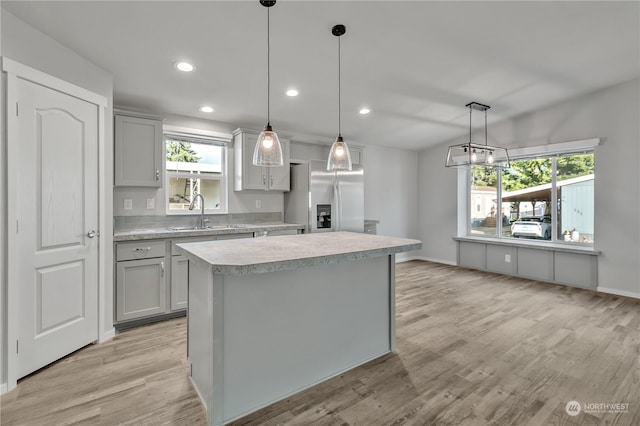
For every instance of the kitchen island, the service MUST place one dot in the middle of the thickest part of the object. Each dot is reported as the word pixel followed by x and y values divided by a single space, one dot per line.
pixel 269 317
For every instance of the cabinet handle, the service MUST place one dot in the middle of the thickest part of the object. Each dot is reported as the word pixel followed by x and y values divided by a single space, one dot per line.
pixel 162 269
pixel 271 180
pixel 157 174
pixel 264 179
pixel 142 249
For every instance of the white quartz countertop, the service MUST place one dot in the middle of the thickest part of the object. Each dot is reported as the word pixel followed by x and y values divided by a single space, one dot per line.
pixel 268 254
pixel 187 231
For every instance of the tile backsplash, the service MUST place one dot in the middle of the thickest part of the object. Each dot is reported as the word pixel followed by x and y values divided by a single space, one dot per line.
pixel 128 223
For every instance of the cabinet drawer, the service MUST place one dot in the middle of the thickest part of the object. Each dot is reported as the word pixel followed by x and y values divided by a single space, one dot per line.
pixel 140 250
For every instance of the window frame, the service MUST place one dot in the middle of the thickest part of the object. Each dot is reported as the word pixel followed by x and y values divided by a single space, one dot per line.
pixel 552 152
pixel 203 137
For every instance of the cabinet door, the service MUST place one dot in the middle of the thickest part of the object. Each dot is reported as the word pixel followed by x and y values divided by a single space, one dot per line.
pixel 138 151
pixel 141 288
pixel 279 177
pixel 179 282
pixel 253 177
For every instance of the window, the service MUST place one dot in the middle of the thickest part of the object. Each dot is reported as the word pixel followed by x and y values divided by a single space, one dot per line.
pixel 195 165
pixel 548 198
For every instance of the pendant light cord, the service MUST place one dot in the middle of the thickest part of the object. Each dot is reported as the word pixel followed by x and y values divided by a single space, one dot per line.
pixel 268 70
pixel 339 92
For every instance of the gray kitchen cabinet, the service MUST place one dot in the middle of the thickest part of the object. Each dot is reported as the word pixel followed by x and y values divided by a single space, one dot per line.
pixel 248 176
pixel 138 150
pixel 141 280
pixel 179 282
pixel 152 277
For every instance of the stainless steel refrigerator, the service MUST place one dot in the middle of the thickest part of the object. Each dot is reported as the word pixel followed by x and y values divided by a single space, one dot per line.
pixel 325 201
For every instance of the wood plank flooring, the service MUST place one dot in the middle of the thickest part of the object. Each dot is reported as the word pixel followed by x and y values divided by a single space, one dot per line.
pixel 474 348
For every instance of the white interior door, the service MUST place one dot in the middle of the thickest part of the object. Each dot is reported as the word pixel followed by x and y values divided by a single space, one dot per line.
pixel 57 221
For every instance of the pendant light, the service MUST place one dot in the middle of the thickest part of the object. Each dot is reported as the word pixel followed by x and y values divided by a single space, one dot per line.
pixel 339 156
pixel 268 151
pixel 471 154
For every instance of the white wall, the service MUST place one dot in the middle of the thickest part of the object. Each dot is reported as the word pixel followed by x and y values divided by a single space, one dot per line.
pixel 26 45
pixel 611 114
pixel 391 191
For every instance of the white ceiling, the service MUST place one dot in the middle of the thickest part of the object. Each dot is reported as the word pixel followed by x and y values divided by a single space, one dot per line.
pixel 415 64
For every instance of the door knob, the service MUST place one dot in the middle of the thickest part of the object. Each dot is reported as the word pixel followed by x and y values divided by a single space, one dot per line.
pixel 93 233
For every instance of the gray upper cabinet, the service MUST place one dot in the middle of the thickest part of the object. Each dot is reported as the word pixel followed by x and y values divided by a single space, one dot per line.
pixel 138 150
pixel 248 176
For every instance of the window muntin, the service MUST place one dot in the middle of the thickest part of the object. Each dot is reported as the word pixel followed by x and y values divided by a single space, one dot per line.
pixel 528 191
pixel 195 166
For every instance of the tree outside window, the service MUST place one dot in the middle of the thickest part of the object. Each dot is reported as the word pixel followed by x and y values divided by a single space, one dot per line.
pixel 195 166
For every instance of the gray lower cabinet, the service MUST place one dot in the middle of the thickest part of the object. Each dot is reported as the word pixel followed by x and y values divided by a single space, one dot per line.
pixel 152 278
pixel 571 266
pixel 142 279
pixel 141 288
pixel 179 282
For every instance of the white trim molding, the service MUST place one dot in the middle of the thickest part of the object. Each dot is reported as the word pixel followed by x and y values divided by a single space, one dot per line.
pixel 426 259
pixel 554 148
pixel 619 292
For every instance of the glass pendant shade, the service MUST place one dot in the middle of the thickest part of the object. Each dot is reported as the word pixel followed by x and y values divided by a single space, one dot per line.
pixel 268 151
pixel 339 156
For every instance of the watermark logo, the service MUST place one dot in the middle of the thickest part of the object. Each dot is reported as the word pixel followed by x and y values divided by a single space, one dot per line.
pixel 573 408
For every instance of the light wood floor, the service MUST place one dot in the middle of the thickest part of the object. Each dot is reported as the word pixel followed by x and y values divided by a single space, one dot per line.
pixel 474 348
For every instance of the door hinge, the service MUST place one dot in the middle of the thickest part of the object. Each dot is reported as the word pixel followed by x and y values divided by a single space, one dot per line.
pixel 17 227
pixel 17 109
pixel 17 346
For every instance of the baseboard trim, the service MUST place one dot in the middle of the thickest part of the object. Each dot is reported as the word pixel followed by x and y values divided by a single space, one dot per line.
pixel 427 259
pixel 619 292
pixel 3 388
pixel 107 335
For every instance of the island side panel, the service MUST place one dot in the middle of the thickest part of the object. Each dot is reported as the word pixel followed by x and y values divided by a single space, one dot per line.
pixel 201 335
pixel 288 330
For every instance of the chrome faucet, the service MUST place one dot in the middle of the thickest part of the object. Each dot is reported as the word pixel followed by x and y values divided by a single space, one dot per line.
pixel 193 201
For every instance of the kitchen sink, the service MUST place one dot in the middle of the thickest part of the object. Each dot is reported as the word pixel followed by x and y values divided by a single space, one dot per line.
pixel 187 228
pixel 206 228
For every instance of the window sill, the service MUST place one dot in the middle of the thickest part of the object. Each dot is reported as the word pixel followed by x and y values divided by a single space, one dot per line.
pixel 194 213
pixel 559 247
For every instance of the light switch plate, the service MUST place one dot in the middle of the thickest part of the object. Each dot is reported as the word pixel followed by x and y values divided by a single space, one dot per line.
pixel 258 204
pixel 151 203
pixel 128 203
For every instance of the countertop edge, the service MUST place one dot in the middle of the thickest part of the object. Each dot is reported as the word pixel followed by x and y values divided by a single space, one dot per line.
pixel 283 265
pixel 165 233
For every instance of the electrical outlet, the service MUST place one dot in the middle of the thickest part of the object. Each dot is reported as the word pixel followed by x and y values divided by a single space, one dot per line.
pixel 258 204
pixel 507 258
pixel 151 203
pixel 128 203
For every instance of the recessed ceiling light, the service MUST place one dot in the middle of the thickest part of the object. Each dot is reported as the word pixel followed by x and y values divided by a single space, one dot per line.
pixel 364 111
pixel 206 109
pixel 292 92
pixel 184 66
